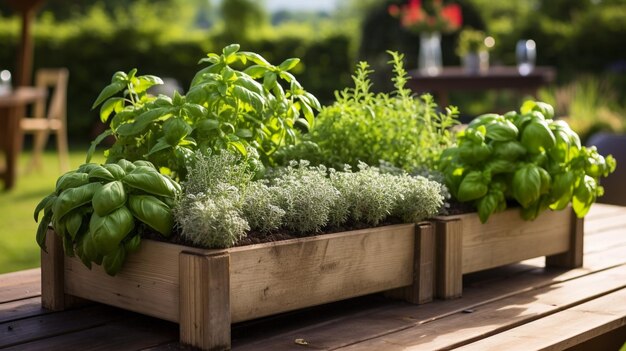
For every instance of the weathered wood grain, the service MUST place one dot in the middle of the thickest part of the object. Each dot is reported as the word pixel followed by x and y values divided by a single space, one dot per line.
pixel 204 301
pixel 563 329
pixel 20 285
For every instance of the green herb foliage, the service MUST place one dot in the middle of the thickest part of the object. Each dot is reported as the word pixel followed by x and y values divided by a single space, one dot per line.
pixel 527 157
pixel 218 208
pixel 99 211
pixel 256 107
pixel 365 127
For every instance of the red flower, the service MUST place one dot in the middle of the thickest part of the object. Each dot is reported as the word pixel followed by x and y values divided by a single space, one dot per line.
pixel 415 18
pixel 453 13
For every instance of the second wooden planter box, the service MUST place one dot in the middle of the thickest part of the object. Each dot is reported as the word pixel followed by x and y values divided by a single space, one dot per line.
pixel 207 290
pixel 465 245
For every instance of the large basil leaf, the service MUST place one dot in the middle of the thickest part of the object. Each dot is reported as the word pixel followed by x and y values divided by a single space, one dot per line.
pixel 152 212
pixel 150 180
pixel 109 231
pixel 108 198
pixel 73 198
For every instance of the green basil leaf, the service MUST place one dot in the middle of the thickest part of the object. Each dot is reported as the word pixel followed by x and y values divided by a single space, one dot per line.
pixel 109 106
pixel 109 231
pixel 46 203
pixel 132 245
pixel 145 82
pixel 144 163
pixel 108 91
pixel 74 198
pixel 42 230
pixel 255 71
pixel 175 129
pixel 526 185
pixel 151 181
pixel 288 64
pixel 109 198
pixel 112 263
pixel 584 196
pixel 126 165
pixel 143 121
pixel 472 187
pixel 89 249
pixel 100 173
pixel 115 169
pixel 153 212
pixel 503 131
pixel 71 180
pixel 537 136
pixel 73 223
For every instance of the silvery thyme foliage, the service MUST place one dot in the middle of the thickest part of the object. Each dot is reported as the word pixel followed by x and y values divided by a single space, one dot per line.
pixel 260 209
pixel 221 203
pixel 307 197
pixel 214 220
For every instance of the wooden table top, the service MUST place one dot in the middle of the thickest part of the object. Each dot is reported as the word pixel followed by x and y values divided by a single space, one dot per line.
pixel 498 77
pixel 517 307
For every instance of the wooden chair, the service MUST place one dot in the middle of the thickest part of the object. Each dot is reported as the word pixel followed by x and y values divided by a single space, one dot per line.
pixel 50 120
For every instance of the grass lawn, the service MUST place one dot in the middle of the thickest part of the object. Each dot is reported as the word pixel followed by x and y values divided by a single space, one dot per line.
pixel 18 249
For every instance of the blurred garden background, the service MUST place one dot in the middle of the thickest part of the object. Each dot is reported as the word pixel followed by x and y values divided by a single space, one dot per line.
pixel 583 40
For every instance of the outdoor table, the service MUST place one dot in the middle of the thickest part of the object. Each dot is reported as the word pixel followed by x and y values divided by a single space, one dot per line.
pixel 12 108
pixel 517 307
pixel 497 78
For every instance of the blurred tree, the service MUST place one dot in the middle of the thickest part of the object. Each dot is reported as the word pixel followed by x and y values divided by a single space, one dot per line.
pixel 241 18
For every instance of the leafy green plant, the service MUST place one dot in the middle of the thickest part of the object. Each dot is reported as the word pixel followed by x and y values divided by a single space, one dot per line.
pixel 471 41
pixel 370 196
pixel 260 208
pixel 526 157
pixel 365 127
pixel 306 195
pixel 299 199
pixel 100 211
pixel 225 108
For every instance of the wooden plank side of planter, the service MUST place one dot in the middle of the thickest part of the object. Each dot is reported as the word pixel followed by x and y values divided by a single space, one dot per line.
pixel 311 271
pixel 265 279
pixel 506 238
pixel 148 284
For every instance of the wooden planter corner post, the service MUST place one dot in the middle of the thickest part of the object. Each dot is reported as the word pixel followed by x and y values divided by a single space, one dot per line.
pixel 422 290
pixel 464 245
pixel 53 296
pixel 205 300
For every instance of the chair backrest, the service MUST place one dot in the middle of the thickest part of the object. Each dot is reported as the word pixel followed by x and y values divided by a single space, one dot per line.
pixel 56 79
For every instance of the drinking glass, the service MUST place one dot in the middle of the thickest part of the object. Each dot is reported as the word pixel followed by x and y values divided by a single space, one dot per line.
pixel 526 52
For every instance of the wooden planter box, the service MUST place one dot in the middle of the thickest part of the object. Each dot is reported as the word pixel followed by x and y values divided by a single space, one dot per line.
pixel 207 290
pixel 465 245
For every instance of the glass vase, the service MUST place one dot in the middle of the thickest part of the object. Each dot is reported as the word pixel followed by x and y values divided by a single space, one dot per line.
pixel 429 63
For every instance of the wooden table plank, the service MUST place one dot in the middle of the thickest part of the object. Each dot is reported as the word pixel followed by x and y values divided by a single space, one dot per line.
pixel 135 333
pixel 463 328
pixel 561 330
pixel 20 285
pixel 23 308
pixel 494 285
pixel 45 326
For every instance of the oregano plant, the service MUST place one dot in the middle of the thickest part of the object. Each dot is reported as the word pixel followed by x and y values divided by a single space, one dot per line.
pixel 362 126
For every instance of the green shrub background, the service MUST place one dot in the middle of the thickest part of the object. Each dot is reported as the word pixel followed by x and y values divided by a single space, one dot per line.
pixel 96 45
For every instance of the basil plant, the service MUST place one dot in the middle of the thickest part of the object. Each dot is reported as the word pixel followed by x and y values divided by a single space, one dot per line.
pixel 527 157
pixel 100 211
pixel 239 101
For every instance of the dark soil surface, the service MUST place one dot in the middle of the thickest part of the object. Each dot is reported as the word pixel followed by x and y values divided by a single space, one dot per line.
pixel 258 238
